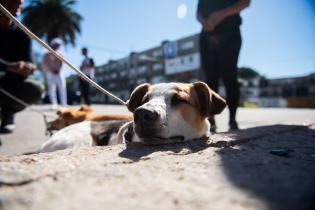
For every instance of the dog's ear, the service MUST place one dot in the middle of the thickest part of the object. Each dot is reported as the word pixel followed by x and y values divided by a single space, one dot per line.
pixel 209 101
pixel 136 96
pixel 85 108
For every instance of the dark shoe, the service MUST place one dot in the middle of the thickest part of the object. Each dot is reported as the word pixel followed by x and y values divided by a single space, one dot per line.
pixel 213 127
pixel 7 124
pixel 233 125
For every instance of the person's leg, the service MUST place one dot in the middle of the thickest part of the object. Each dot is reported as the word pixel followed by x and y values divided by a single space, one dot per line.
pixel 87 94
pixel 28 91
pixel 51 83
pixel 85 90
pixel 8 83
pixel 7 115
pixel 232 91
pixel 228 58
pixel 62 90
pixel 209 66
pixel 81 83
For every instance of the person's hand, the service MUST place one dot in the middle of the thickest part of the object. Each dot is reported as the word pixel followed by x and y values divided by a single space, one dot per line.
pixel 214 19
pixel 22 68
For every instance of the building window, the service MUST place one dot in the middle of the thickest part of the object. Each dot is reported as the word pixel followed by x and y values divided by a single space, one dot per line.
pixel 182 60
pixel 113 66
pixel 132 73
pixel 287 92
pixel 158 79
pixel 157 66
pixel 123 73
pixel 142 69
pixel 187 45
pixel 112 85
pixel 157 53
pixel 113 76
pixel 301 91
pixel 141 80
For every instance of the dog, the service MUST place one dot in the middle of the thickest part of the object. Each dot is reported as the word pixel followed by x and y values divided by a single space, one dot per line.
pixel 162 113
pixel 68 117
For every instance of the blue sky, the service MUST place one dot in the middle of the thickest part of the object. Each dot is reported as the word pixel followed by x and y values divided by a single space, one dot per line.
pixel 278 35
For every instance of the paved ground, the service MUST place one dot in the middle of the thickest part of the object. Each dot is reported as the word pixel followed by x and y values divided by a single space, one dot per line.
pixel 230 171
pixel 30 132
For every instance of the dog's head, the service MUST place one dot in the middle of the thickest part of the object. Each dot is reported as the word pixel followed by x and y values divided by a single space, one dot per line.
pixel 67 117
pixel 173 112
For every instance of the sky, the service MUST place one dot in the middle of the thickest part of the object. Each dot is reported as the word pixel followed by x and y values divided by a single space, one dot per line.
pixel 278 35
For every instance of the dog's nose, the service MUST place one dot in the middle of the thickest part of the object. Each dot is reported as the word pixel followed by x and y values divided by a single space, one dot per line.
pixel 145 116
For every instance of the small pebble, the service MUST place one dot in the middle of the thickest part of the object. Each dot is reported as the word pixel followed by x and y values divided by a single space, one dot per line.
pixel 281 151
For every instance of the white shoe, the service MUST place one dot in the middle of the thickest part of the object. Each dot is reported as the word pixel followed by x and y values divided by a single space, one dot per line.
pixel 7 128
pixel 54 107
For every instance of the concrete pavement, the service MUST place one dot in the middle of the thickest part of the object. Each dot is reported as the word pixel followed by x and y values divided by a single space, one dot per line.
pixel 30 131
pixel 233 170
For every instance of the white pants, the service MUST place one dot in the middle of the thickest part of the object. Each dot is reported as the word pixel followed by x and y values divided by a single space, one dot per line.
pixel 57 81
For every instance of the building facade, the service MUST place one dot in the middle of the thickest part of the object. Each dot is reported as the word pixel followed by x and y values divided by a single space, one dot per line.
pixel 171 61
pixel 296 92
pixel 179 61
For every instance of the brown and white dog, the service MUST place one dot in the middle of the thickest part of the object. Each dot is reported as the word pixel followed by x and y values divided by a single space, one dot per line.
pixel 163 113
pixel 68 117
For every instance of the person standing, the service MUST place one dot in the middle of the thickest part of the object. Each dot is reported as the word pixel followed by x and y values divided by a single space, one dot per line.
pixel 55 78
pixel 220 43
pixel 88 69
pixel 15 68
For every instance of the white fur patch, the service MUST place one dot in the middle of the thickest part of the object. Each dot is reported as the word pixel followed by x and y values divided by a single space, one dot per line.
pixel 179 126
pixel 73 136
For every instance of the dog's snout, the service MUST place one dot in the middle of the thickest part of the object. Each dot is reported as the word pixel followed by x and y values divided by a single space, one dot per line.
pixel 146 116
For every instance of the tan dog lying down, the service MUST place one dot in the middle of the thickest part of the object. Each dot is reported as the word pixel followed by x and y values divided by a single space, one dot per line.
pixel 163 113
pixel 68 117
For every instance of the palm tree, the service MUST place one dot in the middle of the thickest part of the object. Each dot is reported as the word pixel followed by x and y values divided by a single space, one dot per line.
pixel 50 19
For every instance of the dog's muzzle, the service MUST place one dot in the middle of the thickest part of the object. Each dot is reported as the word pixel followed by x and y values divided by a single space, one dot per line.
pixel 145 117
pixel 147 122
pixel 148 128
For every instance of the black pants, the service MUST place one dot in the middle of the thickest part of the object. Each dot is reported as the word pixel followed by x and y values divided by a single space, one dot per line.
pixel 27 90
pixel 85 91
pixel 219 56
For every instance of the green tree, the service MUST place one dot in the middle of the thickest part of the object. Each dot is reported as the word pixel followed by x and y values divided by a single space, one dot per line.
pixel 50 19
pixel 247 73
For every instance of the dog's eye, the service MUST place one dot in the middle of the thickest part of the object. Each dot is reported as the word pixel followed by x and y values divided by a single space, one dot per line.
pixel 176 100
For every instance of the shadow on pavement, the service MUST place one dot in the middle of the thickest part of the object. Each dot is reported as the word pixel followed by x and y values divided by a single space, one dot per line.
pixel 282 182
pixel 136 151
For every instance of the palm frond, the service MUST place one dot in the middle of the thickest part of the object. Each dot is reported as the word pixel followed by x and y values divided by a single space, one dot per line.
pixel 53 18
